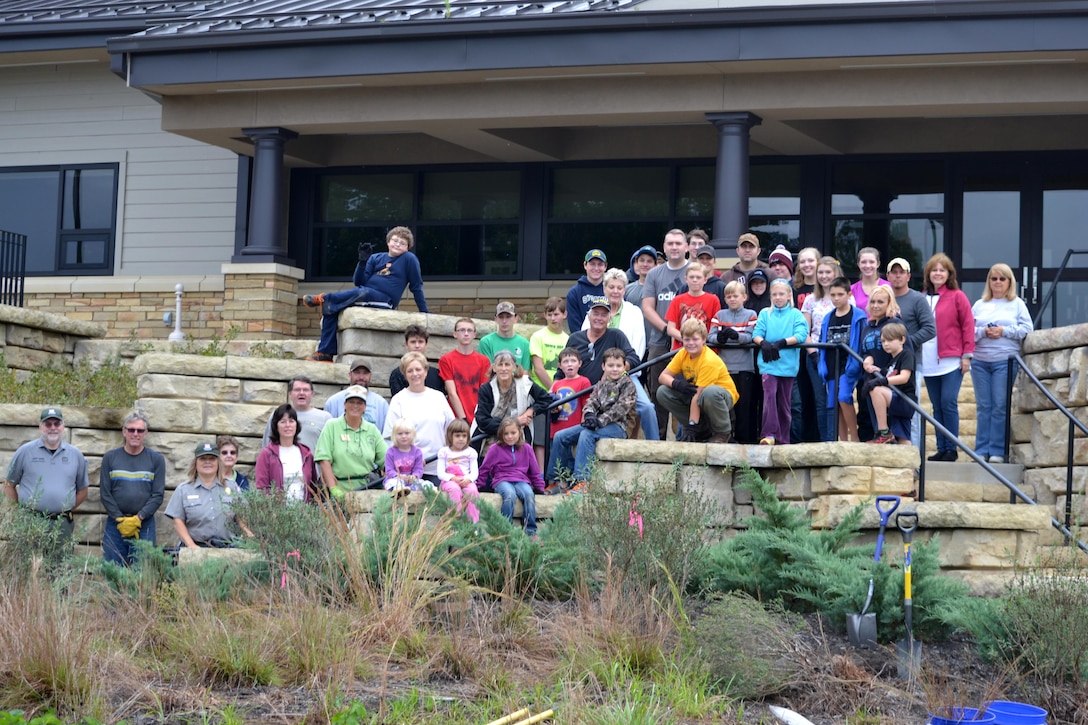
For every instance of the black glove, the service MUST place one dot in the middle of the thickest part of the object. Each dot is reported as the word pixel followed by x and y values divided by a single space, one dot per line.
pixel 590 422
pixel 770 352
pixel 780 344
pixel 728 333
pixel 876 380
pixel 365 250
pixel 683 386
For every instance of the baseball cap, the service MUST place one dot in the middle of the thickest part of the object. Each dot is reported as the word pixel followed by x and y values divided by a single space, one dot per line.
pixel 355 391
pixel 901 262
pixel 52 413
pixel 596 254
pixel 759 274
pixel 748 239
pixel 600 302
pixel 781 255
pixel 706 249
pixel 647 249
pixel 207 448
pixel 360 363
pixel 505 307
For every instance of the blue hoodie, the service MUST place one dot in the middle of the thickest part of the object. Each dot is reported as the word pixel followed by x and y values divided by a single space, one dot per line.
pixel 778 323
pixel 858 322
pixel 579 299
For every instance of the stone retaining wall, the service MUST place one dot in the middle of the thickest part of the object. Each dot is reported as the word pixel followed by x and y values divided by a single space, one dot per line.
pixel 32 339
pixel 1059 358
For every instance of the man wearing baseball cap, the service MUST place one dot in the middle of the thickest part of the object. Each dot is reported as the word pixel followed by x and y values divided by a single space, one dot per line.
pixel 504 337
pixel 917 317
pixel 48 476
pixel 588 289
pixel 376 407
pixel 748 252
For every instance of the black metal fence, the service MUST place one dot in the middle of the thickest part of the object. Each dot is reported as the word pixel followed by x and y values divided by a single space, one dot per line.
pixel 12 268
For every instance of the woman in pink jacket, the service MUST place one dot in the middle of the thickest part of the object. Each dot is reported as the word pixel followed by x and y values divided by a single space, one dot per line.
pixel 947 357
pixel 285 465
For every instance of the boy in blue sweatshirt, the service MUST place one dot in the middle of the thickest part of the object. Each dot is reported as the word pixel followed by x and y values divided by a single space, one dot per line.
pixel 779 329
pixel 588 289
pixel 381 280
pixel 845 324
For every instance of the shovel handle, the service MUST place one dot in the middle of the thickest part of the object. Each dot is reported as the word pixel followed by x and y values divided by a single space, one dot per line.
pixel 906 522
pixel 886 506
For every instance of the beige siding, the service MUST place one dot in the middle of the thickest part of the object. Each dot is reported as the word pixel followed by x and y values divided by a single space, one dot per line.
pixel 176 196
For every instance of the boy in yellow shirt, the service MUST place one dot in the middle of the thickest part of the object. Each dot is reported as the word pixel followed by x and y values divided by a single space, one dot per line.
pixel 697 387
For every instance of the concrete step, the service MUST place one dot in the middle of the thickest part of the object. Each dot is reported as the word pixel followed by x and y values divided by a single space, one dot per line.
pixel 969 481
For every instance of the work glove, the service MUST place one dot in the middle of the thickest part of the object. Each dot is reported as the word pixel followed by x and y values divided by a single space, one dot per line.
pixel 129 526
pixel 726 334
pixel 590 422
pixel 365 250
pixel 770 352
pixel 876 380
pixel 683 386
pixel 780 344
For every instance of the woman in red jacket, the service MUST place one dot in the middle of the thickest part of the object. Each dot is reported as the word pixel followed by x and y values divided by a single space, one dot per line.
pixel 947 357
pixel 285 465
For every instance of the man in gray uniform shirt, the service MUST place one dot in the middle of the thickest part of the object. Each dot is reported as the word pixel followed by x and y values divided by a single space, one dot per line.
pixel 663 282
pixel 132 483
pixel 49 476
pixel 917 317
pixel 300 394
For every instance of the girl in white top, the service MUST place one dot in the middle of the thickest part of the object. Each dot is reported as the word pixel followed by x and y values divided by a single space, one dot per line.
pixel 458 469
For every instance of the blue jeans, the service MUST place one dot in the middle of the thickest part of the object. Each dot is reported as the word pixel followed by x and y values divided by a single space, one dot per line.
pixel 647 413
pixel 991 381
pixel 119 550
pixel 586 440
pixel 337 302
pixel 510 490
pixel 944 393
pixel 825 416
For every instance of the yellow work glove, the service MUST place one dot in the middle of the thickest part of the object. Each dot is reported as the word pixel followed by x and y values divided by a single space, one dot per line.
pixel 129 526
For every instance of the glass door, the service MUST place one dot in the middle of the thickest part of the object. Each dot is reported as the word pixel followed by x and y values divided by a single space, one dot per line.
pixel 993 228
pixel 1064 211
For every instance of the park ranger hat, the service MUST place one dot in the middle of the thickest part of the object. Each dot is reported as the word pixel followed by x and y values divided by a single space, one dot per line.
pixel 52 413
pixel 207 448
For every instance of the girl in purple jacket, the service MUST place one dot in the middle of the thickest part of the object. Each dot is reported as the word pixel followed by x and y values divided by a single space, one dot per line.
pixel 510 468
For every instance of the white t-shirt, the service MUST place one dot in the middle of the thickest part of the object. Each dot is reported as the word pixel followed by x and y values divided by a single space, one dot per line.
pixel 291 460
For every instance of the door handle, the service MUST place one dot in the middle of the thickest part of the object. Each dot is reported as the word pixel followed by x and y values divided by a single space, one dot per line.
pixel 1034 285
pixel 1024 284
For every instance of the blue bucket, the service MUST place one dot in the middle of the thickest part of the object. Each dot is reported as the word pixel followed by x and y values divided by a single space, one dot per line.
pixel 1016 713
pixel 956 715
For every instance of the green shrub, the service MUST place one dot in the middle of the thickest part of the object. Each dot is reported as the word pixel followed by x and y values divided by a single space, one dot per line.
pixel 282 528
pixel 32 544
pixel 671 543
pixel 780 557
pixel 751 652
pixel 110 385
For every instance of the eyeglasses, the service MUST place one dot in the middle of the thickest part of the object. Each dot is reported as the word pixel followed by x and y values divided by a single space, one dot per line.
pixel 397 241
pixel 464 329
pixel 136 431
pixel 52 423
pixel 999 279
pixel 228 452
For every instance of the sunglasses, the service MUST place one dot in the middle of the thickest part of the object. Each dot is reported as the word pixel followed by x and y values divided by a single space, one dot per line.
pixel 999 279
pixel 136 431
pixel 52 423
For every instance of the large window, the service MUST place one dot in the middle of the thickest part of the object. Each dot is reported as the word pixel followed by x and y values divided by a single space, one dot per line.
pixel 67 213
pixel 774 205
pixel 620 208
pixel 897 207
pixel 466 223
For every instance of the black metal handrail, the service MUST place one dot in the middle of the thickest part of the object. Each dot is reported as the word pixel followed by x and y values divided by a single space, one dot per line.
pixel 1049 296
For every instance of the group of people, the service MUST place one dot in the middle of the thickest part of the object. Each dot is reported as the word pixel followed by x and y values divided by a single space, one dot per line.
pixel 724 354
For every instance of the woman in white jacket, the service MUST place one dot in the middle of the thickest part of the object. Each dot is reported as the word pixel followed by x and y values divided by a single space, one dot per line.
pixel 1002 321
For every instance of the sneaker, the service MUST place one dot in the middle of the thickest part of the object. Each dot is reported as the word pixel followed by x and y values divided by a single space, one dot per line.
pixel 578 489
pixel 555 489
pixel 883 438
pixel 720 438
pixel 997 459
pixel 766 441
pixel 314 300
pixel 319 356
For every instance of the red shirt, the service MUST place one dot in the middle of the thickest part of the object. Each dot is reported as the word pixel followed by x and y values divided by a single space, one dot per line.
pixel 570 414
pixel 468 373
pixel 684 307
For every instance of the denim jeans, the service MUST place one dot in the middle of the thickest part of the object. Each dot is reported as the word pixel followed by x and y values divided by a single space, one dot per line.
pixel 586 440
pixel 521 490
pixel 119 550
pixel 991 381
pixel 647 413
pixel 337 302
pixel 825 416
pixel 944 393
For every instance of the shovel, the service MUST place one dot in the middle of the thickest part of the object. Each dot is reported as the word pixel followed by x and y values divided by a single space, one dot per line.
pixel 861 628
pixel 908 652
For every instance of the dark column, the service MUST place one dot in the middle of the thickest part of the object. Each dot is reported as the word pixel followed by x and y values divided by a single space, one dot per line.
pixel 266 241
pixel 731 180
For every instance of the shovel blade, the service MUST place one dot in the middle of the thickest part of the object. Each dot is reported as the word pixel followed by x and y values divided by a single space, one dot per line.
pixel 861 629
pixel 908 658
